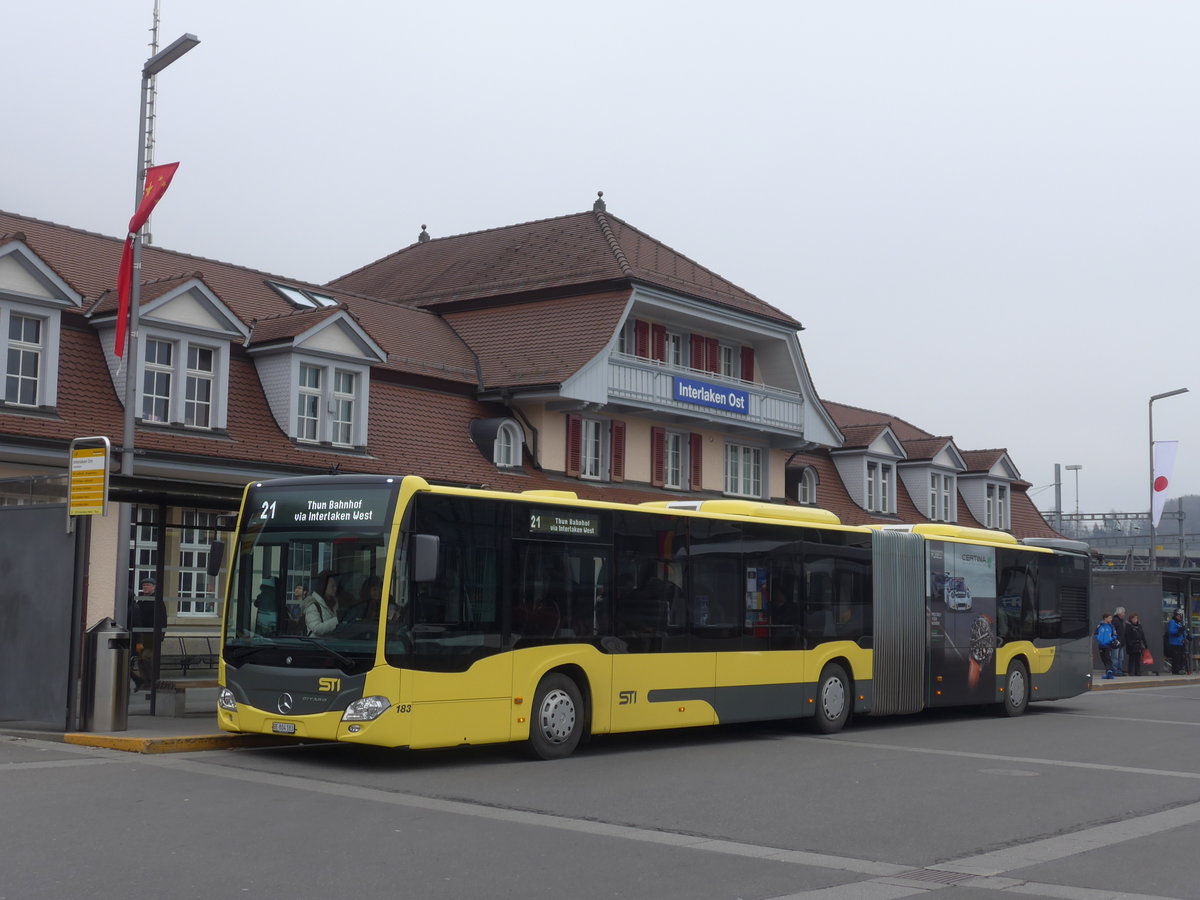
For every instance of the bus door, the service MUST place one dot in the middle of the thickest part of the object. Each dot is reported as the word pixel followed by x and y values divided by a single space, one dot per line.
pixel 455 677
pixel 659 679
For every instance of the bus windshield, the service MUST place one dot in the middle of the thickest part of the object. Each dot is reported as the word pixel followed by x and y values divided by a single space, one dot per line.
pixel 307 575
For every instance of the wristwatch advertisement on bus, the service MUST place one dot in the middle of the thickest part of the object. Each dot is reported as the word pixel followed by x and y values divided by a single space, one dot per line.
pixel 982 644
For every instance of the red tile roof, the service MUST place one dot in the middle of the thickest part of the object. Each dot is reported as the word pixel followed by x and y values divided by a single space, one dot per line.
pixel 574 251
pixel 845 416
pixel 416 342
pixel 516 346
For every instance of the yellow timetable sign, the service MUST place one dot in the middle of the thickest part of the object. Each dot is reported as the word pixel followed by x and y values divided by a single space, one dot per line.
pixel 87 493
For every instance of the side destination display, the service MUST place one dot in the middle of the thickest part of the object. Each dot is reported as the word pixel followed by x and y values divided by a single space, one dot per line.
pixel 354 504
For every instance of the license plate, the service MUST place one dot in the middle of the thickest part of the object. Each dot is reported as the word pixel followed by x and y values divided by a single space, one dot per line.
pixel 283 727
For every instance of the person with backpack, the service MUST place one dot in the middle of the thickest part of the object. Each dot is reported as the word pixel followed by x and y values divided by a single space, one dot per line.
pixel 1118 642
pixel 1104 639
pixel 1177 636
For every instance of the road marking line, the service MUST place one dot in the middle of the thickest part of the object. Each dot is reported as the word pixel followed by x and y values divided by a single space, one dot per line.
pixel 1028 760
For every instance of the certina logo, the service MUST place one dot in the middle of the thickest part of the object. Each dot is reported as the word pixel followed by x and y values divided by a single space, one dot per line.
pixel 329 685
pixel 627 697
pixel 285 703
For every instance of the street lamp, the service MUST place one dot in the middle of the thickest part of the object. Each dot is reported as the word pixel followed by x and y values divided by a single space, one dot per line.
pixel 1076 469
pixel 150 68
pixel 1150 559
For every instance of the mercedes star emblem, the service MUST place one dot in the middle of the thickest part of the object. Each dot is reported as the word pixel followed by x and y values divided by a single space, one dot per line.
pixel 285 703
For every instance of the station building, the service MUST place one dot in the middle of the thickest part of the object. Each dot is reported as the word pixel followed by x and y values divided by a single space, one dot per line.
pixel 572 353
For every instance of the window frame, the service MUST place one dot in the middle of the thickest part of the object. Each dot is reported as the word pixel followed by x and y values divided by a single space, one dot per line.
pixel 736 481
pixel 997 505
pixel 330 403
pixel 593 449
pixel 806 489
pixel 181 375
pixel 506 448
pixel 24 349
pixel 880 486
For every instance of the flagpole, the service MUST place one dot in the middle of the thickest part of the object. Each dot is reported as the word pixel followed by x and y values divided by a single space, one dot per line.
pixel 1150 561
pixel 150 68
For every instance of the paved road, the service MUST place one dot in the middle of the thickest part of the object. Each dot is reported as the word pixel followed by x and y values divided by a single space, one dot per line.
pixel 1096 797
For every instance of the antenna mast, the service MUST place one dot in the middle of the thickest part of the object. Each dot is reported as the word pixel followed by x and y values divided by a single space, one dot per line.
pixel 151 100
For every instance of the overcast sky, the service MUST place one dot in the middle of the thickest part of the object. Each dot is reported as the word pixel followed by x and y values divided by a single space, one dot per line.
pixel 984 213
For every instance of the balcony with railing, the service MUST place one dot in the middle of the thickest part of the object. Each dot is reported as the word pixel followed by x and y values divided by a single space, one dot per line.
pixel 652 384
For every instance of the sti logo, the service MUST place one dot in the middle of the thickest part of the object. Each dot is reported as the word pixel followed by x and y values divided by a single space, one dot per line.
pixel 627 697
pixel 329 685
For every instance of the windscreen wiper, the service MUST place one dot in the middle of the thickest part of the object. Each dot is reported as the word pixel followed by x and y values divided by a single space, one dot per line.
pixel 343 659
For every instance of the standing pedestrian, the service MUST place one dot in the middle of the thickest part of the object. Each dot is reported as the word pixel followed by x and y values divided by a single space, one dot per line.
pixel 1176 637
pixel 1135 644
pixel 1118 644
pixel 1104 639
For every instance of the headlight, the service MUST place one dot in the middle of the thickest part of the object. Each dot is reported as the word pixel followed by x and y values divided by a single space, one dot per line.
pixel 366 710
pixel 225 700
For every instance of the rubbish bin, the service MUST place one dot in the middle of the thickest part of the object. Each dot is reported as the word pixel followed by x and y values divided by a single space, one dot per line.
pixel 106 678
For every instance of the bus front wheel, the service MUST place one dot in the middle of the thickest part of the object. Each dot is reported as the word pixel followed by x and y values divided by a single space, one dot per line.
pixel 1016 689
pixel 834 700
pixel 557 722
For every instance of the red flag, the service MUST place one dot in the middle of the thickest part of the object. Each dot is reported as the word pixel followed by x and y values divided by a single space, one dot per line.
pixel 124 280
pixel 158 179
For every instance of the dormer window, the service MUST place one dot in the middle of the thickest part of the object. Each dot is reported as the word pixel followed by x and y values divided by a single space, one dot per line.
pixel 32 298
pixel 24 360
pixel 506 451
pixel 172 360
pixel 328 401
pixel 996 511
pixel 881 494
pixel 806 491
pixel 942 492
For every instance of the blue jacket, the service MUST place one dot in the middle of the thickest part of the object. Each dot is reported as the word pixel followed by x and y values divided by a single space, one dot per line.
pixel 1104 635
pixel 1175 632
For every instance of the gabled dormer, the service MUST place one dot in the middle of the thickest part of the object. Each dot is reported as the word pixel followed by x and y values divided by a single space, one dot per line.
pixel 931 476
pixel 867 464
pixel 183 345
pixel 315 369
pixel 986 486
pixel 32 298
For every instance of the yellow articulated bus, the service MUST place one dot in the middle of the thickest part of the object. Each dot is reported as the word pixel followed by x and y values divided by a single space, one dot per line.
pixel 389 611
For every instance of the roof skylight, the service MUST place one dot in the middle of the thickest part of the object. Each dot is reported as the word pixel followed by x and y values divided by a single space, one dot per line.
pixel 302 298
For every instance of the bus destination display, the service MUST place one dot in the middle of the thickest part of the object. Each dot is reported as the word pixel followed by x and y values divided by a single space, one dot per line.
pixel 356 505
pixel 549 521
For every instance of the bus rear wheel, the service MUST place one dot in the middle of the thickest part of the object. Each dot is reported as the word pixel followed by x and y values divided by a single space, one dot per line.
pixel 558 717
pixel 1016 689
pixel 834 700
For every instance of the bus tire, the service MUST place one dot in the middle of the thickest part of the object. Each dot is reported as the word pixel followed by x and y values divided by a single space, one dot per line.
pixel 1016 689
pixel 834 700
pixel 558 718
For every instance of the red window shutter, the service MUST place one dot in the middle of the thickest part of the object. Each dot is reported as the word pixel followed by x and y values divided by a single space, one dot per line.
pixel 747 364
pixel 658 342
pixel 695 460
pixel 641 341
pixel 617 451
pixel 574 445
pixel 712 354
pixel 657 457
pixel 697 343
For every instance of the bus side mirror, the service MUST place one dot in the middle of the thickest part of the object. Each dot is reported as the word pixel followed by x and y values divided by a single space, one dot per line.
pixel 425 549
pixel 216 555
